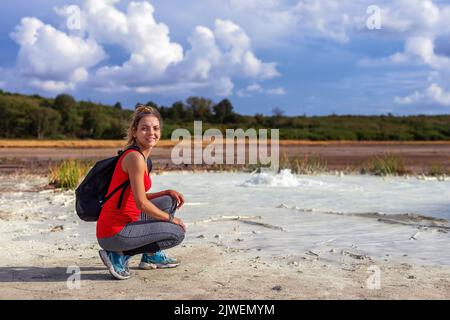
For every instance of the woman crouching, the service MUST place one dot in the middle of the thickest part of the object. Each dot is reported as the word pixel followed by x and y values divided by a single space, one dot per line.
pixel 145 223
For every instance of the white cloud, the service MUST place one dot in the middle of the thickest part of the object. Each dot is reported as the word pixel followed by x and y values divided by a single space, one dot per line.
pixel 52 86
pixel 213 59
pixel 52 57
pixel 148 42
pixel 276 91
pixel 420 50
pixel 412 17
pixel 254 88
pixel 257 89
pixel 203 55
pixel 326 18
pixel 54 60
pixel 420 23
pixel 439 95
pixel 434 94
pixel 236 47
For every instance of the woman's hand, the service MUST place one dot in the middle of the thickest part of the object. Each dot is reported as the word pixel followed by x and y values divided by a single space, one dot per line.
pixel 179 222
pixel 177 196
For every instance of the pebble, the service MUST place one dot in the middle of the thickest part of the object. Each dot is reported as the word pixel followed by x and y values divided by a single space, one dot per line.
pixel 277 288
pixel 57 228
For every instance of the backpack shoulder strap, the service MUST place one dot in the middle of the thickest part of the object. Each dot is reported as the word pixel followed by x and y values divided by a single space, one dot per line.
pixel 149 165
pixel 126 183
pixel 137 149
pixel 120 152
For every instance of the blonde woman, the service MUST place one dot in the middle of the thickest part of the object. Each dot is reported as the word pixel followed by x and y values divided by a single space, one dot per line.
pixel 145 223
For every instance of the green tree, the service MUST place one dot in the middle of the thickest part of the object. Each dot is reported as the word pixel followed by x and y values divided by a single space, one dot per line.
pixel 95 122
pixel 45 122
pixel 223 112
pixel 67 107
pixel 201 108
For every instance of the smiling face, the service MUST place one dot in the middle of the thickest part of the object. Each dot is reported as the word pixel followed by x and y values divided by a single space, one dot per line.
pixel 148 132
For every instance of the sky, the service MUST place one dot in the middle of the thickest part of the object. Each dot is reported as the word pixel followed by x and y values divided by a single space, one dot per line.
pixel 305 57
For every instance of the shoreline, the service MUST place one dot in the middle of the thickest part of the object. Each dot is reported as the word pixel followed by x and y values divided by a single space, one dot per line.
pixel 418 157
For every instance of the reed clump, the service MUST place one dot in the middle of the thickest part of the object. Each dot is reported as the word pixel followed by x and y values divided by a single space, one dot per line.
pixel 68 173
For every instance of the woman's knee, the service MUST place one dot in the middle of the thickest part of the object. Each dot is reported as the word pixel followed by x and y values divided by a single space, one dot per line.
pixel 166 203
pixel 179 234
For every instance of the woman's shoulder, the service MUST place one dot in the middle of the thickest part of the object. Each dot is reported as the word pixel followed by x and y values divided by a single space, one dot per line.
pixel 132 158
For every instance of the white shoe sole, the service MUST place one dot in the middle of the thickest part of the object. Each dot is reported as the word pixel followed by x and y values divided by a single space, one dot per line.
pixel 147 266
pixel 150 266
pixel 104 256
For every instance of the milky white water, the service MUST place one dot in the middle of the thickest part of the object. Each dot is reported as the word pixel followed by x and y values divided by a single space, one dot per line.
pixel 392 219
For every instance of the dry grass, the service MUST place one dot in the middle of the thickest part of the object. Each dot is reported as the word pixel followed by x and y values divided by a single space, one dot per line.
pixel 386 165
pixel 69 173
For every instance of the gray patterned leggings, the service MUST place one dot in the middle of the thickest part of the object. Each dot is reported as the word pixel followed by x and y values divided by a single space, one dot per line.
pixel 147 235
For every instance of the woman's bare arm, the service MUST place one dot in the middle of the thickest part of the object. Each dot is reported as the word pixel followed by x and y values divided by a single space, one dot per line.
pixel 132 164
pixel 154 195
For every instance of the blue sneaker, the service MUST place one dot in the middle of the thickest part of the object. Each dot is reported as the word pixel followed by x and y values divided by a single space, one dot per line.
pixel 116 264
pixel 157 260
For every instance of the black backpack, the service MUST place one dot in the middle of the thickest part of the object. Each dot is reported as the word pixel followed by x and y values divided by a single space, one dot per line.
pixel 90 196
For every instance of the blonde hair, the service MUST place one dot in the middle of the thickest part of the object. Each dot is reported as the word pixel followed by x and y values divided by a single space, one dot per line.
pixel 140 112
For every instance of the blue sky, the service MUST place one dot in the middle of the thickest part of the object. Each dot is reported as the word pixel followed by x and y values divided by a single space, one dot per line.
pixel 311 57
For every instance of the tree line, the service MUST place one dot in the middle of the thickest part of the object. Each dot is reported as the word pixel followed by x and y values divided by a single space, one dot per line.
pixel 62 117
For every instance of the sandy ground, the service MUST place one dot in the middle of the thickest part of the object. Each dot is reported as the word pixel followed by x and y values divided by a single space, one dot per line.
pixel 209 272
pixel 419 157
pixel 37 263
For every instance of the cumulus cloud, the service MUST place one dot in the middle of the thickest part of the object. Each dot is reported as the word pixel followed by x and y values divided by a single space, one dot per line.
pixel 57 60
pixel 422 25
pixel 327 19
pixel 420 50
pixel 255 88
pixel 51 58
pixel 434 94
pixel 148 42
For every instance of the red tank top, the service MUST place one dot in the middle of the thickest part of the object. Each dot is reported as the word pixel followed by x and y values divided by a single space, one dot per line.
pixel 111 219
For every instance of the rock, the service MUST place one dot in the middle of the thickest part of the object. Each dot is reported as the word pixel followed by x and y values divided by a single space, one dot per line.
pixel 57 228
pixel 310 252
pixel 202 236
pixel 277 288
pixel 217 236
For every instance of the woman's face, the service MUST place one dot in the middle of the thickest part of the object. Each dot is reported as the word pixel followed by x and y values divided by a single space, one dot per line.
pixel 148 131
